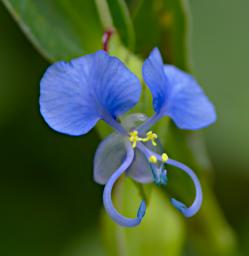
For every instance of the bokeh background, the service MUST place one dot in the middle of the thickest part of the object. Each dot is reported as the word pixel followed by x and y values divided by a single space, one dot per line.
pixel 50 204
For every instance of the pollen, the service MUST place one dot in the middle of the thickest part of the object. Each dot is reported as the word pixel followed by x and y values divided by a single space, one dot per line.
pixel 134 138
pixel 164 157
pixel 153 159
pixel 150 136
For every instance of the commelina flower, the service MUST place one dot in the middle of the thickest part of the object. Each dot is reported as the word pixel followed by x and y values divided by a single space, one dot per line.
pixel 75 95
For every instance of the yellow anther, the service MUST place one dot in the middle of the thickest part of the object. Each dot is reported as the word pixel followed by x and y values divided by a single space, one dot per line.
pixel 153 143
pixel 153 159
pixel 164 157
pixel 134 133
pixel 149 133
pixel 134 138
pixel 150 136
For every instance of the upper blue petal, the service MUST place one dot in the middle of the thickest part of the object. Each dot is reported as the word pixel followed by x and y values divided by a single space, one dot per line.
pixel 187 105
pixel 75 95
pixel 155 78
pixel 177 94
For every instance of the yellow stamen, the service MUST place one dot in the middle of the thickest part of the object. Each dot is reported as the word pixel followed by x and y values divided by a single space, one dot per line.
pixel 153 159
pixel 164 157
pixel 134 133
pixel 150 136
pixel 134 138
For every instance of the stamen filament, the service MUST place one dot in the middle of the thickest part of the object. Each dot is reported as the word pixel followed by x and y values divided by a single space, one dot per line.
pixel 148 152
pixel 107 198
pixel 194 208
pixel 158 171
pixel 187 211
pixel 150 136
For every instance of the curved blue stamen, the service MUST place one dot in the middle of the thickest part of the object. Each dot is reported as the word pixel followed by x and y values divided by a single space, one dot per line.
pixel 194 208
pixel 107 197
pixel 187 211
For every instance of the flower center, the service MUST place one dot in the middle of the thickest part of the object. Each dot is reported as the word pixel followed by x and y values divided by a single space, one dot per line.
pixel 156 160
pixel 150 136
pixel 134 138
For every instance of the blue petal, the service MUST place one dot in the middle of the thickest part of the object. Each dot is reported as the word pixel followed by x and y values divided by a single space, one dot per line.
pixel 64 97
pixel 108 157
pixel 140 169
pixel 155 78
pixel 176 94
pixel 187 105
pixel 75 95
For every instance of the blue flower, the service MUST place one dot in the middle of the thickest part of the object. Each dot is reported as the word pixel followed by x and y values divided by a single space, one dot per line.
pixel 76 95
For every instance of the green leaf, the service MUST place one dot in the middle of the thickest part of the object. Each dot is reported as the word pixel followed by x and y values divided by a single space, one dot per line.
pixel 64 29
pixel 60 29
pixel 160 233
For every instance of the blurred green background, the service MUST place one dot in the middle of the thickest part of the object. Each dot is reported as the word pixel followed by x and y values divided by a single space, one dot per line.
pixel 50 204
pixel 220 41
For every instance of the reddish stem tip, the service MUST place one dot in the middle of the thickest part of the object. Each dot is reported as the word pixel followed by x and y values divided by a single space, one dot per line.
pixel 106 38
